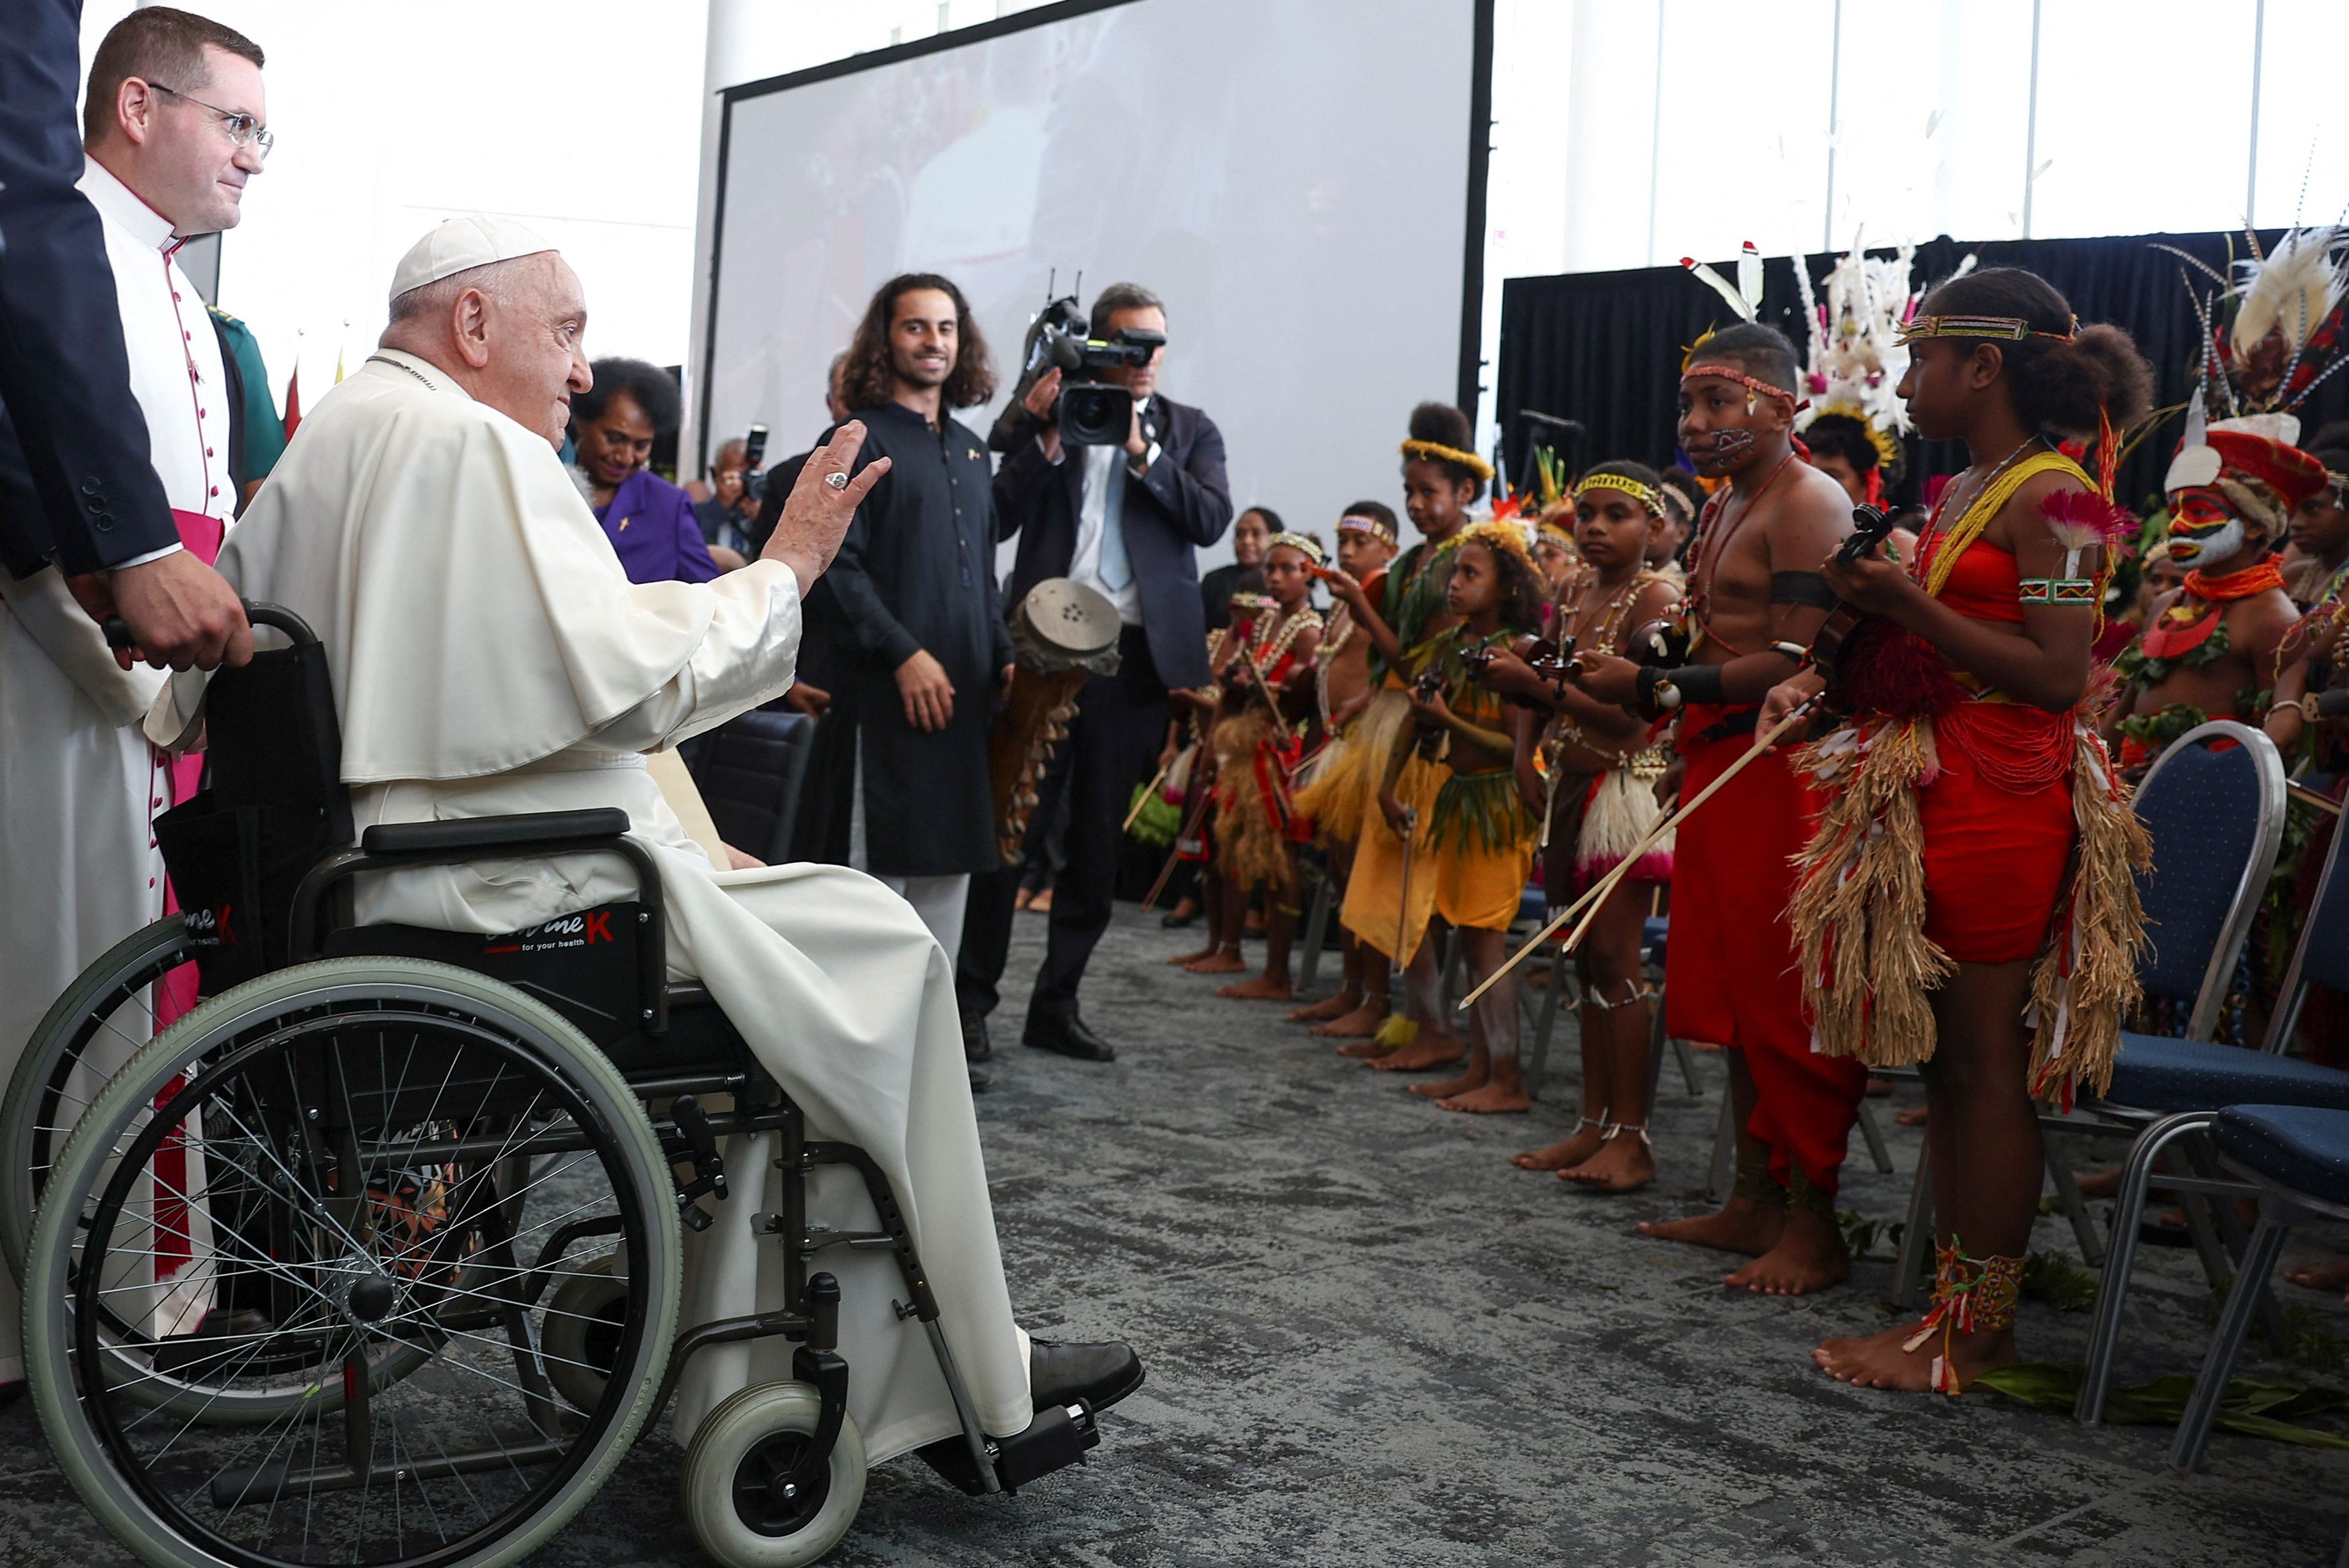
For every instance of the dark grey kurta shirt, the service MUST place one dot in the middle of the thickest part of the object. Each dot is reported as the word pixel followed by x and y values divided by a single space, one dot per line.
pixel 918 571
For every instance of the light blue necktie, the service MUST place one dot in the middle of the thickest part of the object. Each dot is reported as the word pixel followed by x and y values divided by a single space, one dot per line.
pixel 1116 570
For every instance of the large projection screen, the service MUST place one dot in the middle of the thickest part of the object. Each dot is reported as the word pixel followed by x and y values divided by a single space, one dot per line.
pixel 1293 177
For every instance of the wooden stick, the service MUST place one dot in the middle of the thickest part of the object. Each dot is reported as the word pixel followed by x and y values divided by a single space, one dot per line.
pixel 1605 884
pixel 1144 798
pixel 1198 815
pixel 2303 793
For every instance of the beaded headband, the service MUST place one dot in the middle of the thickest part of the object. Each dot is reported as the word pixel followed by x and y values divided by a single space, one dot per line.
pixel 1357 522
pixel 1443 454
pixel 2011 327
pixel 1549 530
pixel 1255 601
pixel 1731 373
pixel 1645 494
pixel 1304 544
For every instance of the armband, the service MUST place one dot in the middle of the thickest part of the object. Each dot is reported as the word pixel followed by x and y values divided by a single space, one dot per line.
pixel 2057 591
pixel 1699 683
pixel 1806 588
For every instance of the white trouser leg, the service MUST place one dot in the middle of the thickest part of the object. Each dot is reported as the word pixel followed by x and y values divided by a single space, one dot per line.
pixel 940 902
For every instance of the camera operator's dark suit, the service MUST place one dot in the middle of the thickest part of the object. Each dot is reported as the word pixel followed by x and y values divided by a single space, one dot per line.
pixel 1181 502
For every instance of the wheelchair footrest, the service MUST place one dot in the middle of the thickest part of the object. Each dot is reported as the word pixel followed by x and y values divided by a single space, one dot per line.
pixel 1056 1437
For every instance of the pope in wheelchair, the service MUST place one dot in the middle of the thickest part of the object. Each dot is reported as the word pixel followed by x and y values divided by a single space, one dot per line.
pixel 507 1111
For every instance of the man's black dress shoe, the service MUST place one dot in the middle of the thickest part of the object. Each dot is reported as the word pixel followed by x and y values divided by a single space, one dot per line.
pixel 1101 1375
pixel 976 1046
pixel 1067 1034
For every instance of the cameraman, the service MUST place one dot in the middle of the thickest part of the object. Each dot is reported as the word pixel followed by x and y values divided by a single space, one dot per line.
pixel 1123 520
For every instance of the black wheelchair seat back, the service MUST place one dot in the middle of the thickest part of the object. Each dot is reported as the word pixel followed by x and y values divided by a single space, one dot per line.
pixel 582 964
pixel 271 806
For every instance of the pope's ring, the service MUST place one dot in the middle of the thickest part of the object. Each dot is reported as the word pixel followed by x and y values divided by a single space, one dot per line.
pixel 837 481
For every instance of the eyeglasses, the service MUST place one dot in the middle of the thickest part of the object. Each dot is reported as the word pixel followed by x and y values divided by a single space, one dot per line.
pixel 244 130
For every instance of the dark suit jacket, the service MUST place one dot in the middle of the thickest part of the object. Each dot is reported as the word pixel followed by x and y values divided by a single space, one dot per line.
pixel 1182 502
pixel 74 471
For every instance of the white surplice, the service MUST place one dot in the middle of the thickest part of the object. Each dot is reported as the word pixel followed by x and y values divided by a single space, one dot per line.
pixel 491 656
pixel 78 783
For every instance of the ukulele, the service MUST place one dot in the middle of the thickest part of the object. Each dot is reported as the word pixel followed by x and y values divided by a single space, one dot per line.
pixel 1872 525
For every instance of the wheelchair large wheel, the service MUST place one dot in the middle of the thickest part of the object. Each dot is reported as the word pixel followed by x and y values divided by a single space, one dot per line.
pixel 372 1154
pixel 96 1025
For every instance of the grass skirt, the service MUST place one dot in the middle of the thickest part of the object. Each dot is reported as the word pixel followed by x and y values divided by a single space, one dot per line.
pixel 1344 793
pixel 1252 841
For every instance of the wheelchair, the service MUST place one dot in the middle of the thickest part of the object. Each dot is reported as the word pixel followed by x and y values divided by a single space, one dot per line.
pixel 375 1255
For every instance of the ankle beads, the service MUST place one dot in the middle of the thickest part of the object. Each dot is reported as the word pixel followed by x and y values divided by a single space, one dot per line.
pixel 1970 1295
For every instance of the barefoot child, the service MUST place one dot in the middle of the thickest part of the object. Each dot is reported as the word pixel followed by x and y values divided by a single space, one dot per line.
pixel 1589 772
pixel 1265 730
pixel 1967 903
pixel 1730 972
pixel 1333 792
pixel 1248 610
pixel 1408 628
pixel 1476 840
pixel 2208 649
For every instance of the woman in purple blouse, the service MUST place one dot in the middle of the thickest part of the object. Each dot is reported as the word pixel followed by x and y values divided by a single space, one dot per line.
pixel 650 520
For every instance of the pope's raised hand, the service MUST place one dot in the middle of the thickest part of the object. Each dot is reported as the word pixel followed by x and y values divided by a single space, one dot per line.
pixel 816 515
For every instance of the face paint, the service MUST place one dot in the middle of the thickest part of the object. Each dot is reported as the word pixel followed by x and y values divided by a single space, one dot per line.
pixel 1727 449
pixel 2201 531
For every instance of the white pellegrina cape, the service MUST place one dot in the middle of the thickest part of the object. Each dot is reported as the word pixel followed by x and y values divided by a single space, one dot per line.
pixel 490 656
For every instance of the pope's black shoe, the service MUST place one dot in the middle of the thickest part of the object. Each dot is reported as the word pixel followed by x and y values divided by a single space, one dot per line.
pixel 1067 1034
pixel 1101 1375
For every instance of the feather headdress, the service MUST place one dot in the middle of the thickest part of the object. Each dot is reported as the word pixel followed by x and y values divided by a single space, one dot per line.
pixel 1744 296
pixel 2272 330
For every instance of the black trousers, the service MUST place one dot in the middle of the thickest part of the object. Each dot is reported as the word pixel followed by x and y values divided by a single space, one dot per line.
pixel 1112 745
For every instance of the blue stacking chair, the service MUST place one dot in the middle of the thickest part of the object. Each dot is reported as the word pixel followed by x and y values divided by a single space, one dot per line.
pixel 2216 819
pixel 2296 1158
pixel 2173 1090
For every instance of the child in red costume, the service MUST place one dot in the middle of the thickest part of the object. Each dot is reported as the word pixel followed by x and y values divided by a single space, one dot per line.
pixel 1731 979
pixel 1967 905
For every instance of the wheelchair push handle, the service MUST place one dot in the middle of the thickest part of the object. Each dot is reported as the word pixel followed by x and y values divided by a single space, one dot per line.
pixel 277 617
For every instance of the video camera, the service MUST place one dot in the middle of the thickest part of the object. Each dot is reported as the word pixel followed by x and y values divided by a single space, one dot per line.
pixel 754 464
pixel 1090 413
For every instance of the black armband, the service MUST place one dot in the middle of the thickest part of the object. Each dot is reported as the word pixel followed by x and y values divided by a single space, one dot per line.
pixel 1699 683
pixel 1806 588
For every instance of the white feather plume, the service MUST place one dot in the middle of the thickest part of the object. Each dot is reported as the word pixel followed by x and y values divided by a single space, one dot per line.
pixel 2294 290
pixel 1744 309
pixel 1749 278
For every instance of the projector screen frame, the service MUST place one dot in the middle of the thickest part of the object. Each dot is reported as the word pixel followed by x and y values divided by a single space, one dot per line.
pixel 1480 149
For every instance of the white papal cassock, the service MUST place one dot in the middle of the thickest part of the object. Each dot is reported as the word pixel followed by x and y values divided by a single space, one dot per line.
pixel 78 783
pixel 490 656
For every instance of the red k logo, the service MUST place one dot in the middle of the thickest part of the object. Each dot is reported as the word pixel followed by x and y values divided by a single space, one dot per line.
pixel 599 925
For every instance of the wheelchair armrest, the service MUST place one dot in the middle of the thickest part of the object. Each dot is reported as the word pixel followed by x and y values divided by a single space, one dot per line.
pixel 523 830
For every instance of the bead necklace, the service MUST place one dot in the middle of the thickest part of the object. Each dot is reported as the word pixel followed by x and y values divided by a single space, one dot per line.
pixel 1930 545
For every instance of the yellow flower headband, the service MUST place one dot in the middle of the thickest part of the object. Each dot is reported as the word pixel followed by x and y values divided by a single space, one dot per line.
pixel 1439 452
pixel 1504 536
pixel 1647 495
pixel 1304 544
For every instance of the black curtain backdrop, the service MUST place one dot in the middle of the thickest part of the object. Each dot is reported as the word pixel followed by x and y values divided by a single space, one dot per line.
pixel 1604 348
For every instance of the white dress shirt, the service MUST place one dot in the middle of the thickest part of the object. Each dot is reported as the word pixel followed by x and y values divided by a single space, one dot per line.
pixel 175 357
pixel 1102 466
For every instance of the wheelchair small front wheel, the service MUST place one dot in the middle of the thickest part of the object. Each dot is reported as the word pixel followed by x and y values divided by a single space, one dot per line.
pixel 745 1509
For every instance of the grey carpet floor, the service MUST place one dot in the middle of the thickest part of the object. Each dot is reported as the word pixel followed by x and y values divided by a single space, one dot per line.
pixel 1371 1341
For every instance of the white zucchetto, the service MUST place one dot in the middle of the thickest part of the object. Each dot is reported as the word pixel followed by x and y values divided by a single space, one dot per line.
pixel 460 244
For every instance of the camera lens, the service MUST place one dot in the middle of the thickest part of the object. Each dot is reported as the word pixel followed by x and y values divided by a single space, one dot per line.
pixel 1093 415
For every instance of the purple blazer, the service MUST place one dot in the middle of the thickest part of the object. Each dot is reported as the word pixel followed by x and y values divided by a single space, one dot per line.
pixel 652 528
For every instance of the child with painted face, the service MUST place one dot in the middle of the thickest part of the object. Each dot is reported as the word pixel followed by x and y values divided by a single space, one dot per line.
pixel 1332 790
pixel 2210 649
pixel 1473 847
pixel 1267 724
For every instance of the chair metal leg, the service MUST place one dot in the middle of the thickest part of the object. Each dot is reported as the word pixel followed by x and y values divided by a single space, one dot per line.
pixel 1316 931
pixel 1680 1049
pixel 1546 1026
pixel 1455 965
pixel 2076 1208
pixel 2218 1263
pixel 1724 1149
pixel 1916 1231
pixel 2128 1210
pixel 1655 1049
pixel 2227 1343
pixel 2204 1159
pixel 1873 1136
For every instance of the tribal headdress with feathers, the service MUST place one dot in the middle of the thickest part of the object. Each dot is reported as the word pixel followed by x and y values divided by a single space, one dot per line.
pixel 2270 333
pixel 1856 358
